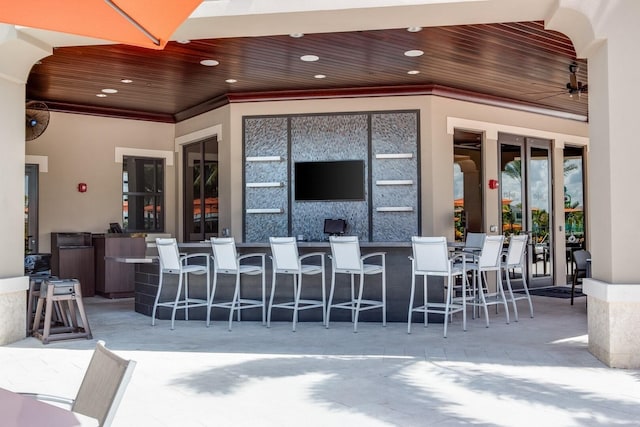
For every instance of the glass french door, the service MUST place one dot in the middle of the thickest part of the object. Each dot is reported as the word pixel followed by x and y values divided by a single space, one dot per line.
pixel 467 183
pixel 201 190
pixel 574 204
pixel 30 209
pixel 526 186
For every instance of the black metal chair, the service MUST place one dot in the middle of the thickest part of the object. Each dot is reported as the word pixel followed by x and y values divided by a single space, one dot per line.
pixel 580 271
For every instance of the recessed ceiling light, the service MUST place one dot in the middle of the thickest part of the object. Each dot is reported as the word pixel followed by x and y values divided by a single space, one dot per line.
pixel 101 95
pixel 209 62
pixel 414 29
pixel 296 35
pixel 183 41
pixel 108 90
pixel 309 58
pixel 412 72
pixel 231 81
pixel 320 76
pixel 126 81
pixel 414 52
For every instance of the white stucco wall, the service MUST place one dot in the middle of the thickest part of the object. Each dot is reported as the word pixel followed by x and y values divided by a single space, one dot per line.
pixel 12 295
pixel 82 148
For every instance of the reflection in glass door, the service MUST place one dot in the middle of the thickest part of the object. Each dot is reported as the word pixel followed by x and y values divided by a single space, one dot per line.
pixel 539 194
pixel 467 183
pixel 201 190
pixel 526 200
pixel 574 218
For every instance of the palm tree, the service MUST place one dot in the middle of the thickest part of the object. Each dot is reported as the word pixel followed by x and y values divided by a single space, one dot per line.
pixel 513 169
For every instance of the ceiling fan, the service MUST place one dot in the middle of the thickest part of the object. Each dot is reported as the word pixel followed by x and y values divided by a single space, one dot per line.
pixel 574 86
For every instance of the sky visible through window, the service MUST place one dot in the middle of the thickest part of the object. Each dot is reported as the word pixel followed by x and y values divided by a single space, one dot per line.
pixel 511 187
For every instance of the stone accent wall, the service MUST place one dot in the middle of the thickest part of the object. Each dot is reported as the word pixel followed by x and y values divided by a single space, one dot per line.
pixel 387 142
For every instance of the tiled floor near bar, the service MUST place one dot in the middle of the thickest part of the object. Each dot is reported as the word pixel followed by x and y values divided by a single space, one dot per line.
pixel 536 372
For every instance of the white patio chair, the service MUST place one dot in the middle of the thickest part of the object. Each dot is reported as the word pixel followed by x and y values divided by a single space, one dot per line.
pixel 227 261
pixel 172 263
pixel 346 259
pixel 488 261
pixel 285 259
pixel 515 259
pixel 102 388
pixel 431 258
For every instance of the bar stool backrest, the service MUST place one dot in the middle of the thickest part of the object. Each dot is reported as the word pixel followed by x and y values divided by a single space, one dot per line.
pixel 284 252
pixel 517 248
pixel 430 254
pixel 345 253
pixel 169 255
pixel 491 251
pixel 225 255
pixel 474 240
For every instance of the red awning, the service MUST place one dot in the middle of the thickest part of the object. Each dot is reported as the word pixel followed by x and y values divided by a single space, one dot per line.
pixel 133 22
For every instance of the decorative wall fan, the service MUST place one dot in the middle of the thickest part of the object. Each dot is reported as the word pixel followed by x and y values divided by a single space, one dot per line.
pixel 37 119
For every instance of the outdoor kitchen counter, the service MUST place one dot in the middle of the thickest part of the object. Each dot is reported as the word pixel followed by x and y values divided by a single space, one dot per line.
pixel 398 269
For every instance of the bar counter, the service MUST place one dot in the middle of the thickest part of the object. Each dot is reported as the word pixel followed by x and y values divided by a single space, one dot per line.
pixel 398 277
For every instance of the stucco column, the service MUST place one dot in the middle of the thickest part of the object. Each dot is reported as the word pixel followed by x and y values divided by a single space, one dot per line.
pixel 608 37
pixel 492 197
pixel 13 75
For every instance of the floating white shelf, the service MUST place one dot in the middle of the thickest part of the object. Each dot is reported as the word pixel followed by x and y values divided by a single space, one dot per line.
pixel 264 184
pixel 264 159
pixel 265 211
pixel 394 182
pixel 395 209
pixel 394 156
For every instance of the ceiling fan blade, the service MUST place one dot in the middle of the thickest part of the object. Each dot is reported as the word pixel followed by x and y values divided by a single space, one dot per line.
pixel 573 81
pixel 551 85
pixel 544 92
pixel 550 96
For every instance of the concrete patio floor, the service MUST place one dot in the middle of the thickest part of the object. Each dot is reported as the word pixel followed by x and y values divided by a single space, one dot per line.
pixel 535 372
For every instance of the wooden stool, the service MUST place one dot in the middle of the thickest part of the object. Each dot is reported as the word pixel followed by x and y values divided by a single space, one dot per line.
pixel 57 292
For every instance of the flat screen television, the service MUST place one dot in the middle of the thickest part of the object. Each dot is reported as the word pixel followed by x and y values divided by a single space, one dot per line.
pixel 333 180
pixel 335 226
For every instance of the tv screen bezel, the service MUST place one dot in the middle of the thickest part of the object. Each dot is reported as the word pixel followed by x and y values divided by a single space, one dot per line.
pixel 322 194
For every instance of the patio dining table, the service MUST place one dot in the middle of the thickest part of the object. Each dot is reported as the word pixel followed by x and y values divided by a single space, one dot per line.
pixel 20 410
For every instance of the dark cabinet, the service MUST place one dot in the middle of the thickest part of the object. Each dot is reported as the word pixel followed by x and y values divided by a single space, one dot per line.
pixel 116 279
pixel 72 257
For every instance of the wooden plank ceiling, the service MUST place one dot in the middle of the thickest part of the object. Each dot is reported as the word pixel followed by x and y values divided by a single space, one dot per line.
pixel 514 64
